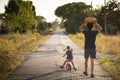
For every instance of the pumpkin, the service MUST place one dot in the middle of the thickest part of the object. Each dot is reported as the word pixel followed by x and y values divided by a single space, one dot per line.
pixel 90 20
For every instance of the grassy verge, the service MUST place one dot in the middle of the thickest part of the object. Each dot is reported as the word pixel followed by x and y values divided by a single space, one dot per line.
pixel 105 45
pixel 12 45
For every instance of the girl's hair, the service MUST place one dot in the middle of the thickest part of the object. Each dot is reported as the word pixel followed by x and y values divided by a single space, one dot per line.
pixel 68 47
pixel 90 26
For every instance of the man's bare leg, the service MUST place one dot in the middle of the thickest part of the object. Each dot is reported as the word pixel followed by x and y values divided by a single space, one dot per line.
pixel 86 67
pixel 92 67
pixel 86 64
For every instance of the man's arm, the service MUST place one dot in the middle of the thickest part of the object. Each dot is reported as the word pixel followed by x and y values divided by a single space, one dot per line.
pixel 98 27
pixel 82 26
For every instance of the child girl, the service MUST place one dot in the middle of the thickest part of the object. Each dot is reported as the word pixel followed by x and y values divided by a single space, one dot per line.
pixel 69 57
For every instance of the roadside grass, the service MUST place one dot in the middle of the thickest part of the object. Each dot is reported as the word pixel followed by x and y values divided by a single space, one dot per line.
pixel 105 45
pixel 11 48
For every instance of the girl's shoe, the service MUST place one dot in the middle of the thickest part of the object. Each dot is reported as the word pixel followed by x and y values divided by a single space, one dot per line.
pixel 85 73
pixel 75 69
pixel 61 67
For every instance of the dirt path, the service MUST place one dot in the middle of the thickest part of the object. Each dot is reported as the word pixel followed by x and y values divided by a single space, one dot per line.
pixel 43 64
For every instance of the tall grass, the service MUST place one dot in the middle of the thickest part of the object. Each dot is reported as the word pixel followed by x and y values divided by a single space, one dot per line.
pixel 105 45
pixel 12 45
pixel 108 44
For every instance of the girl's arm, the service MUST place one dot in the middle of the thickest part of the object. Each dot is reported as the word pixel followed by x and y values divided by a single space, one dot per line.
pixel 64 49
pixel 71 49
pixel 64 55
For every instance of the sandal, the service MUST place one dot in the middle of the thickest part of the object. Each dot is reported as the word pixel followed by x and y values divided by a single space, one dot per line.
pixel 85 73
pixel 92 76
pixel 61 67
pixel 75 69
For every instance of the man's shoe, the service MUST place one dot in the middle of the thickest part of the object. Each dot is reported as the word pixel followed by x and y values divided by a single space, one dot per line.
pixel 61 67
pixel 92 76
pixel 85 73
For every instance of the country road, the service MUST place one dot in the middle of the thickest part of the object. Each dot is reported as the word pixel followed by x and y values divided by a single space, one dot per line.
pixel 44 62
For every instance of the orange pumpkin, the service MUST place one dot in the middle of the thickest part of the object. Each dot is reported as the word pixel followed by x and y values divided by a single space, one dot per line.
pixel 90 20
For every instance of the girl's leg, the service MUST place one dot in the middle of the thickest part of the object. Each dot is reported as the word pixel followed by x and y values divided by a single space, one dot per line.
pixel 73 65
pixel 64 63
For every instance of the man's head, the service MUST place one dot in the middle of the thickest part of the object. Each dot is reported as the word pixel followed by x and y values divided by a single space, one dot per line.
pixel 90 26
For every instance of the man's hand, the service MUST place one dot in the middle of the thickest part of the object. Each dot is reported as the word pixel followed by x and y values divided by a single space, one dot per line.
pixel 82 26
pixel 98 27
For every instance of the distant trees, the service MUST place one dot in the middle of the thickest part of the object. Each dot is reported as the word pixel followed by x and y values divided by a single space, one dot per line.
pixel 72 15
pixel 112 12
pixel 42 24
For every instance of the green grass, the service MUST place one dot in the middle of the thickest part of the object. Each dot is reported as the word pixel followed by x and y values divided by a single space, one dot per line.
pixel 11 47
pixel 105 45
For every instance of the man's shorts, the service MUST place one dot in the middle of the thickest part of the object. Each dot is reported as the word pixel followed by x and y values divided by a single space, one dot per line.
pixel 90 53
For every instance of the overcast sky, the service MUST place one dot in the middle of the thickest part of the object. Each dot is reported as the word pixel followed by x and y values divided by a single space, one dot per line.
pixel 46 8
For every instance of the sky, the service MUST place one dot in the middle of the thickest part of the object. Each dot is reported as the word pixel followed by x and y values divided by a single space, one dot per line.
pixel 46 8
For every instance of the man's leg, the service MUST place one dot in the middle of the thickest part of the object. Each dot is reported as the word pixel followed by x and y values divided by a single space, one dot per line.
pixel 92 65
pixel 92 57
pixel 86 55
pixel 86 64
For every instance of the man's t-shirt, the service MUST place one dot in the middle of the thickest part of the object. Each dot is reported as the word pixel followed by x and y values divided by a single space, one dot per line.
pixel 90 37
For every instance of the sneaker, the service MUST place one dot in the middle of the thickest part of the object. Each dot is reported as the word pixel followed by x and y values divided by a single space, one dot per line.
pixel 92 76
pixel 75 69
pixel 85 73
pixel 61 67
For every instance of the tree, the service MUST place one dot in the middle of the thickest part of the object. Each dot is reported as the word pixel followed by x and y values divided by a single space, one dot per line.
pixel 55 23
pixel 42 25
pixel 113 12
pixel 20 16
pixel 73 15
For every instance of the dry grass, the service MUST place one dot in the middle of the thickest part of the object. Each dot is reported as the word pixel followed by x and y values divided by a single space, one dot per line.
pixel 12 45
pixel 105 45
pixel 77 38
pixel 108 44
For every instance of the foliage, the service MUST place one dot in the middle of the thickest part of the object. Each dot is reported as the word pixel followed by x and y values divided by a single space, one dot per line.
pixel 55 23
pixel 42 26
pixel 112 66
pixel 11 47
pixel 20 16
pixel 73 15
pixel 112 12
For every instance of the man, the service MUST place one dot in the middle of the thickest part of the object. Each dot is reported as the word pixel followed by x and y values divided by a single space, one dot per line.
pixel 90 37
